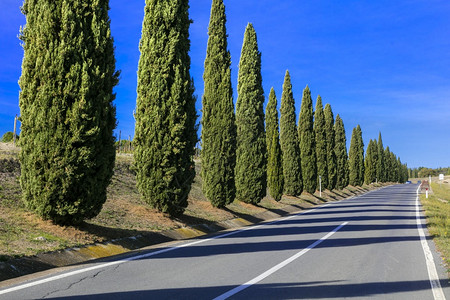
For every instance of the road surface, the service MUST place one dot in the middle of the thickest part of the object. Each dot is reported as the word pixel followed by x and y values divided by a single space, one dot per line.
pixel 360 248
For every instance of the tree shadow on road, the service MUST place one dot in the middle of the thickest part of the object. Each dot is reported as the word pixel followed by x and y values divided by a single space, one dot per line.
pixel 301 290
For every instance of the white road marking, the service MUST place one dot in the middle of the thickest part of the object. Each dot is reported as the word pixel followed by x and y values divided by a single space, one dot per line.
pixel 277 267
pixel 104 265
pixel 431 267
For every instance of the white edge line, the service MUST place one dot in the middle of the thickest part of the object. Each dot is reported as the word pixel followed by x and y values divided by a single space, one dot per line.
pixel 104 265
pixel 277 267
pixel 431 267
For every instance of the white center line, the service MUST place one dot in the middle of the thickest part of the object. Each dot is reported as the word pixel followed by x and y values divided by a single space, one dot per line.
pixel 431 267
pixel 277 267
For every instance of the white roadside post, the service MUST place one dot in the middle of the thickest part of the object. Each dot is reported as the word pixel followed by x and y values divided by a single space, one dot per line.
pixel 320 186
pixel 426 193
pixel 14 133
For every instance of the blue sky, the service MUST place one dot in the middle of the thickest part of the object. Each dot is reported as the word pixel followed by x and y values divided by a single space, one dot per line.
pixel 382 64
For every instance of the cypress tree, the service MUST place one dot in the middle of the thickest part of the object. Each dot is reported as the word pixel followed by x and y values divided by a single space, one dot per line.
pixel 394 167
pixel 404 172
pixel 360 156
pixel 307 143
pixel 330 143
pixel 271 119
pixel 387 164
pixel 321 143
pixel 275 180
pixel 290 150
pixel 218 121
pixel 381 170
pixel 251 155
pixel 67 112
pixel 342 164
pixel 353 159
pixel 356 158
pixel 165 134
pixel 370 171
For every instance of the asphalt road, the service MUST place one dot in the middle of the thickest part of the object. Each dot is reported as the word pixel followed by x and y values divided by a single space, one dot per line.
pixel 361 248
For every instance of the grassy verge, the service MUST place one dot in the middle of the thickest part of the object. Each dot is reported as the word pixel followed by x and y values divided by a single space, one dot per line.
pixel 437 211
pixel 124 214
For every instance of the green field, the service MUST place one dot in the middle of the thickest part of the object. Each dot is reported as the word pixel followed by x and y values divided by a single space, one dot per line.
pixel 437 211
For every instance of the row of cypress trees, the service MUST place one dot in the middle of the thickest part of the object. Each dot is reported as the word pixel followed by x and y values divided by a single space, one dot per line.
pixel 312 151
pixel 381 165
pixel 68 117
pixel 67 112
pixel 378 165
pixel 234 159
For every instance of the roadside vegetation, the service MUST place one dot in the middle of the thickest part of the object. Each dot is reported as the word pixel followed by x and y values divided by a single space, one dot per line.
pixel 70 174
pixel 437 211
pixel 124 214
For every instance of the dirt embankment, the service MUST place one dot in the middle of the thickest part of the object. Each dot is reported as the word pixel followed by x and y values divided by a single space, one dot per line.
pixel 124 214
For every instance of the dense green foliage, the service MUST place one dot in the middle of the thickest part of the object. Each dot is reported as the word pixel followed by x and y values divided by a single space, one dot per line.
pixel 371 162
pixel 321 143
pixel 307 143
pixel 275 179
pixel 381 168
pixel 67 112
pixel 251 158
pixel 342 175
pixel 165 134
pixel 356 158
pixel 360 155
pixel 425 172
pixel 218 121
pixel 8 137
pixel 388 164
pixel 394 167
pixel 396 171
pixel 330 147
pixel 289 141
pixel 271 119
pixel 403 172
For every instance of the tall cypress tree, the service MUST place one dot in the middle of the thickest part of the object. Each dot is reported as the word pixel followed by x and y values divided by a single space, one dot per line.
pixel 275 179
pixel 360 156
pixel 353 159
pixel 370 171
pixel 321 143
pixel 271 119
pixel 330 149
pixel 290 150
pixel 342 164
pixel 387 164
pixel 251 156
pixel 307 143
pixel 165 134
pixel 381 170
pixel 356 158
pixel 394 167
pixel 67 112
pixel 218 121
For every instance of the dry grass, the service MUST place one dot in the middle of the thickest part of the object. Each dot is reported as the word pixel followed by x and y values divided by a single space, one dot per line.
pixel 124 213
pixel 437 211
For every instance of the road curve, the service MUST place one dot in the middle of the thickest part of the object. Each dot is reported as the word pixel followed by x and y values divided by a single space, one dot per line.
pixel 365 247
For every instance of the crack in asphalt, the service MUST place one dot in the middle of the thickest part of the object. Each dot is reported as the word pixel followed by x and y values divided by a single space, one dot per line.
pixel 79 281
